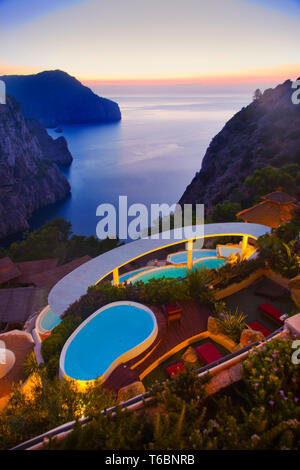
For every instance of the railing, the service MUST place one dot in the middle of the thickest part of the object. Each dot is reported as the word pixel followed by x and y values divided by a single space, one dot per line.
pixel 140 399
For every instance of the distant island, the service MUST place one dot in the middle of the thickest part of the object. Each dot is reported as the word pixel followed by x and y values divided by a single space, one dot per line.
pixel 266 133
pixel 54 98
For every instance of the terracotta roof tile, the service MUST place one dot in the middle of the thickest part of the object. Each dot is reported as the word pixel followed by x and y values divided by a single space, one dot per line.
pixel 30 268
pixel 8 270
pixel 17 304
pixel 51 277
pixel 280 197
pixel 267 213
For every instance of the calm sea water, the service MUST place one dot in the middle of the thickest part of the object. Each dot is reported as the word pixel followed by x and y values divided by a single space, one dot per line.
pixel 150 156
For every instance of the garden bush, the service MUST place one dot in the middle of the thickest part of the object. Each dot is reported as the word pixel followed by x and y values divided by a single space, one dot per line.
pixel 232 323
pixel 260 413
pixel 282 257
pixel 49 403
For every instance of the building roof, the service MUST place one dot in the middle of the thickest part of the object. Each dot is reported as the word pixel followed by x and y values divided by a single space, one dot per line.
pixel 74 285
pixel 30 268
pixel 8 270
pixel 21 344
pixel 16 305
pixel 267 212
pixel 50 277
pixel 280 197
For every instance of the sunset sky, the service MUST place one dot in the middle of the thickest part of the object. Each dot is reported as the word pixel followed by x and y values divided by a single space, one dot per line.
pixel 116 43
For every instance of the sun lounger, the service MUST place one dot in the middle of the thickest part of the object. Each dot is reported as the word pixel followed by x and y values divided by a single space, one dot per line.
pixel 272 312
pixel 208 353
pixel 173 370
pixel 256 326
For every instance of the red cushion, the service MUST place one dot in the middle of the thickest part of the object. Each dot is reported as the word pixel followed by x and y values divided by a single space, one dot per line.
pixel 208 352
pixel 173 309
pixel 258 327
pixel 272 311
pixel 173 370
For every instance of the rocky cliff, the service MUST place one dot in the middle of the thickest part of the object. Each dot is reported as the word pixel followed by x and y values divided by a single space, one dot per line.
pixel 55 150
pixel 267 132
pixel 28 180
pixel 54 97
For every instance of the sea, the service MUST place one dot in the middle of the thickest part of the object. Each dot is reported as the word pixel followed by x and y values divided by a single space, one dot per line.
pixel 150 156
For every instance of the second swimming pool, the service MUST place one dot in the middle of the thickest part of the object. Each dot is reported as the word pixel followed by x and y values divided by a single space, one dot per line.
pixel 177 271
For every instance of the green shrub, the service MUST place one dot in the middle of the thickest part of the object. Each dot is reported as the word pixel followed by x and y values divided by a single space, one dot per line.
pixel 228 274
pixel 260 413
pixel 52 346
pixel 225 212
pixel 232 323
pixel 281 256
pixel 198 281
pixel 55 240
pixel 49 404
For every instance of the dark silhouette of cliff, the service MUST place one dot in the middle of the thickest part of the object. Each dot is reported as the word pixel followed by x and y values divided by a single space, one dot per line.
pixel 28 179
pixel 54 97
pixel 264 133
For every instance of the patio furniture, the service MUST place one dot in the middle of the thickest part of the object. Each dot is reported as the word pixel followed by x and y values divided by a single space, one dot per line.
pixel 172 312
pixel 256 326
pixel 174 369
pixel 208 353
pixel 272 312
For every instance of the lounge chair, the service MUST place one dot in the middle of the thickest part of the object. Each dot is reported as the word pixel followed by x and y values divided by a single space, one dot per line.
pixel 172 312
pixel 256 326
pixel 174 369
pixel 208 353
pixel 272 312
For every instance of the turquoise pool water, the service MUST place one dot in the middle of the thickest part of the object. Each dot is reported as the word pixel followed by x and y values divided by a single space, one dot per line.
pixel 178 272
pixel 49 320
pixel 104 338
pixel 178 258
pixel 210 263
pixel 126 276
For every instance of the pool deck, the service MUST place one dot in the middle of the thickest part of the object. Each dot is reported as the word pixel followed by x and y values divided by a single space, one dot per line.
pixel 75 284
pixel 193 321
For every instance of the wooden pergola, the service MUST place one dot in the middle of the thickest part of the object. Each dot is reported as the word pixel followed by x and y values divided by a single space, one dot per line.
pixel 275 209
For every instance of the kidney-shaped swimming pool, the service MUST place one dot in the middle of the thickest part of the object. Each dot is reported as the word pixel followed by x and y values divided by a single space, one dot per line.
pixel 114 334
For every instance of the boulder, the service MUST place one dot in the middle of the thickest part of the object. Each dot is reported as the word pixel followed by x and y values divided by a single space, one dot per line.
pixel 213 326
pixel 250 336
pixel 131 391
pixel 190 355
pixel 7 361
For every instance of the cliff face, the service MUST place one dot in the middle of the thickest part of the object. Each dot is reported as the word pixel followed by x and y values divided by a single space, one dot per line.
pixel 28 181
pixel 267 132
pixel 54 97
pixel 55 150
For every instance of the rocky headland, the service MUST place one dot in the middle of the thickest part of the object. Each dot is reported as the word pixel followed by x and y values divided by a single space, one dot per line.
pixel 29 179
pixel 54 97
pixel 264 133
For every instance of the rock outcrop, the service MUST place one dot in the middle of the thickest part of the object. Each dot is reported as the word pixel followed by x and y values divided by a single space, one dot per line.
pixel 266 132
pixel 28 180
pixel 55 150
pixel 54 97
pixel 250 336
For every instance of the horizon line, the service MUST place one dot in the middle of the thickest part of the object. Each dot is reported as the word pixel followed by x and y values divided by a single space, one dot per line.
pixel 286 72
